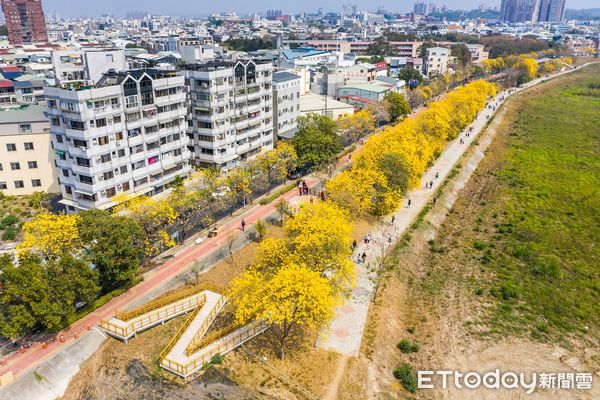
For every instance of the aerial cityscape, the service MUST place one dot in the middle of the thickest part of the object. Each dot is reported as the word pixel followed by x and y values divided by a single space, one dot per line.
pixel 278 200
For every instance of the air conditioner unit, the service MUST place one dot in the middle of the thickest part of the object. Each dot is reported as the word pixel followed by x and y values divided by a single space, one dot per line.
pixel 118 143
pixel 116 172
pixel 103 193
pixel 98 159
pixel 83 148
pixel 100 177
pixel 119 186
pixel 112 136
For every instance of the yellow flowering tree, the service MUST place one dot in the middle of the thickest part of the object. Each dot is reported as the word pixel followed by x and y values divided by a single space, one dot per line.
pixel 295 297
pixel 356 126
pixel 154 217
pixel 319 236
pixel 51 236
pixel 275 164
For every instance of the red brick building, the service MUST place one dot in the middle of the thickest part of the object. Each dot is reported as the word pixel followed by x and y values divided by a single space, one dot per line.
pixel 24 21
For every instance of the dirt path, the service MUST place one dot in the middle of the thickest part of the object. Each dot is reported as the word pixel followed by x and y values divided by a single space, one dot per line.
pixel 332 392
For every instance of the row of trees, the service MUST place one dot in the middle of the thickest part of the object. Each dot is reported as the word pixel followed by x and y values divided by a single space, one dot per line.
pixel 392 162
pixel 297 280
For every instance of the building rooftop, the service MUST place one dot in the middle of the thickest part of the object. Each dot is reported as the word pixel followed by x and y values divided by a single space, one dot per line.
pixel 292 54
pixel 284 76
pixel 366 86
pixel 31 113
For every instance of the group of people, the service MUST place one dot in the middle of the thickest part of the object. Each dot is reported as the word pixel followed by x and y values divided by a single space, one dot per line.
pixel 302 188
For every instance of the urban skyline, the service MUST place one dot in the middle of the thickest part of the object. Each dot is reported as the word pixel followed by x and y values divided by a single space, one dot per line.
pixel 182 8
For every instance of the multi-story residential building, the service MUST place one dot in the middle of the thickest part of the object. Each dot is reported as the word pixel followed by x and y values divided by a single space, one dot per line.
pixel 478 52
pixel 87 65
pixel 551 11
pixel 126 134
pixel 286 104
pixel 26 155
pixel 519 10
pixel 231 116
pixel 437 61
pixel 24 21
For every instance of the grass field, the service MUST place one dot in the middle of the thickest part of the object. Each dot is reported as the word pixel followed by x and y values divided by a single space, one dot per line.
pixel 544 222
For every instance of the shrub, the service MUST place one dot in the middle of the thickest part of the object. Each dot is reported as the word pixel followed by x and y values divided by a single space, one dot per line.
pixel 479 245
pixel 216 359
pixel 404 374
pixel 10 220
pixel 10 233
pixel 406 346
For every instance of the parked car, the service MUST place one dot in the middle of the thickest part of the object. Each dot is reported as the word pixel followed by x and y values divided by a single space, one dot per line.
pixel 300 171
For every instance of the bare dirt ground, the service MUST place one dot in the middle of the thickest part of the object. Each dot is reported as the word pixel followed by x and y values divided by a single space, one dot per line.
pixel 430 298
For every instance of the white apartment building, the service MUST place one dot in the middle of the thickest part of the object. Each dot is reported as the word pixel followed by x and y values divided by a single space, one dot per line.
pixel 26 155
pixel 87 65
pixel 286 104
pixel 231 115
pixel 437 61
pixel 126 134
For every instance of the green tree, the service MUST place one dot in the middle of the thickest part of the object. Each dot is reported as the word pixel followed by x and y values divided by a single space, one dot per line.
pixel 396 105
pixel 113 244
pixel 38 293
pixel 396 170
pixel 422 50
pixel 462 54
pixel 408 73
pixel 317 140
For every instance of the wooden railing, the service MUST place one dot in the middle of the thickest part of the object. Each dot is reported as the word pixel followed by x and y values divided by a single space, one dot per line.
pixel 164 301
pixel 202 342
pixel 152 317
pixel 202 358
pixel 180 332
pixel 196 341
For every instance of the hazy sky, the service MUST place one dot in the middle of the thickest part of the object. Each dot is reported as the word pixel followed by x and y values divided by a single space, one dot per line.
pixel 70 8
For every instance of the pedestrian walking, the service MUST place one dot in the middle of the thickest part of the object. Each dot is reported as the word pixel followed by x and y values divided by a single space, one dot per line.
pixel 431 185
pixel 364 257
pixel 409 202
pixel 243 225
pixel 437 175
pixel 393 218
pixel 354 244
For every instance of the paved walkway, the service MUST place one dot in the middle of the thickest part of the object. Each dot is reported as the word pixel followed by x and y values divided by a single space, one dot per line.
pixel 345 332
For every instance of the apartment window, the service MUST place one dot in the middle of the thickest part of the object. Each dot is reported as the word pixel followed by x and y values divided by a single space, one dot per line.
pixel 86 179
pixel 121 153
pixel 68 190
pixel 3 185
pixel 83 162
pixel 80 143
pixel 11 147
pixel 52 103
pixel 101 122
pixel 126 186
pixel 28 145
pixel 117 119
pixel 59 139
pixel 55 121
pixel 115 102
pixel 15 166
pixel 65 173
pixel 36 183
pixel 19 185
pixel 108 175
pixel 123 169
pixel 77 125
pixel 32 164
pixel 147 99
pixel 119 136
pixel 131 101
pixel 105 157
pixel 103 140
pixel 25 128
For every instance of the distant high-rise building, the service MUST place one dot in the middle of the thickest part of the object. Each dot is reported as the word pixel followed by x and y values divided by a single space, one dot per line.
pixel 552 10
pixel 273 14
pixel 519 10
pixel 421 8
pixel 24 21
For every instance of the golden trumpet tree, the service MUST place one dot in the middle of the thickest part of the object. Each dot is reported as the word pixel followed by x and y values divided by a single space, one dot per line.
pixel 275 164
pixel 51 236
pixel 319 236
pixel 154 217
pixel 356 126
pixel 295 297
